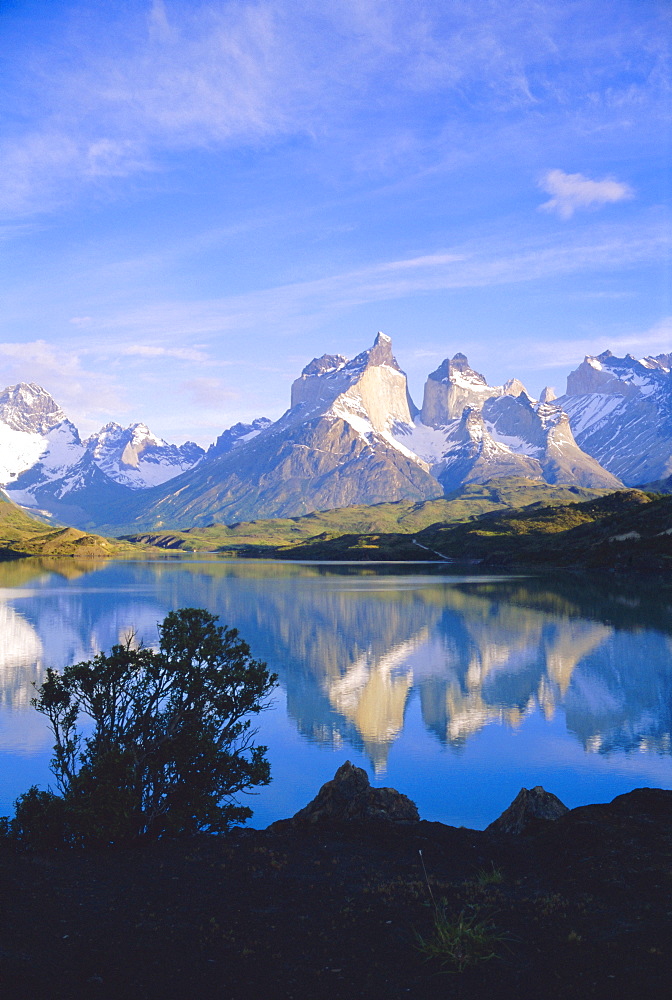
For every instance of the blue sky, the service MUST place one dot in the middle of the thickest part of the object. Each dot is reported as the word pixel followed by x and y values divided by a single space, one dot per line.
pixel 197 198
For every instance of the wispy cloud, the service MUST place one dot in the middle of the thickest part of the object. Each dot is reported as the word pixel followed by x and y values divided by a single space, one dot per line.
pixel 574 191
pixel 79 390
pixel 192 77
pixel 287 309
pixel 209 393
pixel 112 95
pixel 153 351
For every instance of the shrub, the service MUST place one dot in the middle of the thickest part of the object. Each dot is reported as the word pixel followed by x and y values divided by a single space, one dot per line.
pixel 170 743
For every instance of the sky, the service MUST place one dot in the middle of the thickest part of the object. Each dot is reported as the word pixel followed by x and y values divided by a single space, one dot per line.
pixel 196 199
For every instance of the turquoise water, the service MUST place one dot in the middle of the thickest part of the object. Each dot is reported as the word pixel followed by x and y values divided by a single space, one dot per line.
pixel 455 689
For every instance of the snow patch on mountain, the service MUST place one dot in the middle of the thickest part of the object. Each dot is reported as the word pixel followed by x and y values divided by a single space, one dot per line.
pixel 428 442
pixel 18 451
pixel 620 411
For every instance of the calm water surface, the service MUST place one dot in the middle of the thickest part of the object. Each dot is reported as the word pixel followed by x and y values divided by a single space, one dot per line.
pixel 455 689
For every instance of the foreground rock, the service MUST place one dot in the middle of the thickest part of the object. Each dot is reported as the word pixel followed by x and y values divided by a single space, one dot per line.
pixel 530 804
pixel 349 796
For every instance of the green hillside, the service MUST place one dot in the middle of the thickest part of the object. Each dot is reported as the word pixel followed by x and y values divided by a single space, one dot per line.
pixel 627 531
pixel 402 517
pixel 24 535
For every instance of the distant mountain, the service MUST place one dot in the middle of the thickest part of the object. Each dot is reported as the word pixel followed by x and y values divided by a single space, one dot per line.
pixel 620 411
pixel 44 463
pixel 239 434
pixel 351 436
pixel 135 457
pixel 335 446
pixel 471 432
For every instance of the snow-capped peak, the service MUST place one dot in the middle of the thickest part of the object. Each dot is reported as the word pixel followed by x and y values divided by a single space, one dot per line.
pixel 28 407
pixel 135 457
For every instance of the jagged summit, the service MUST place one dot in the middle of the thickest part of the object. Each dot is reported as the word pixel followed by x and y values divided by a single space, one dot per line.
pixel 379 354
pixel 324 365
pixel 453 386
pixel 514 387
pixel 629 375
pixel 326 379
pixel 450 368
pixel 661 361
pixel 28 407
pixel 135 457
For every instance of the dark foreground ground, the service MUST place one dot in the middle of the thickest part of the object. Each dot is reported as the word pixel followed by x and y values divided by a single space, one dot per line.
pixel 579 908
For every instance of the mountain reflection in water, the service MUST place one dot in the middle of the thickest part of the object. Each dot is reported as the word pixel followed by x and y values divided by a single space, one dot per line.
pixel 359 650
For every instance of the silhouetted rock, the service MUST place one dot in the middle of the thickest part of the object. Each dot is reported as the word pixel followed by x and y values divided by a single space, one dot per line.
pixel 528 805
pixel 349 796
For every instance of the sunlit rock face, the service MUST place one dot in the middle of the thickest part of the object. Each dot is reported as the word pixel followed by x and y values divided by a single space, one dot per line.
pixel 370 392
pixel 450 389
pixel 542 432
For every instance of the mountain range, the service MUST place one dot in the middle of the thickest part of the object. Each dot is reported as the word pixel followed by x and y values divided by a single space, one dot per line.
pixel 352 435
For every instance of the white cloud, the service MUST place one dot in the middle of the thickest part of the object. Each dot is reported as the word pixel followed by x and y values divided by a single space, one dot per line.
pixel 574 191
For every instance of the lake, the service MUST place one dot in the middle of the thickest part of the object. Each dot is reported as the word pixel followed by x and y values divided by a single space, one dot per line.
pixel 456 689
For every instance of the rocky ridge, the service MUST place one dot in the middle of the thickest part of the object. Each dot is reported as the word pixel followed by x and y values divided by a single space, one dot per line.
pixel 352 435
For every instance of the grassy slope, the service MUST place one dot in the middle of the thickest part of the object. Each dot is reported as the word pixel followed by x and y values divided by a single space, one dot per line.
pixel 384 518
pixel 22 535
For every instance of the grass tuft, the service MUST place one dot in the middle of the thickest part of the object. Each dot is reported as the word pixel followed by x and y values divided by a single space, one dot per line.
pixel 460 941
pixel 490 876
